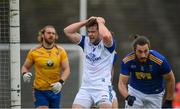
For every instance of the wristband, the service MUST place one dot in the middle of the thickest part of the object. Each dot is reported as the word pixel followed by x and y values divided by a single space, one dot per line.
pixel 61 81
pixel 24 73
pixel 127 97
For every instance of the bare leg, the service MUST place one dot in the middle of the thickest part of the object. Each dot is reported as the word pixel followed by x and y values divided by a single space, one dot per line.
pixel 77 106
pixel 42 107
pixel 115 104
pixel 105 105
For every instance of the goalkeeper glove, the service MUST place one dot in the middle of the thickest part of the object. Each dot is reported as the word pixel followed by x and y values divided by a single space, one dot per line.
pixel 56 87
pixel 27 77
pixel 130 99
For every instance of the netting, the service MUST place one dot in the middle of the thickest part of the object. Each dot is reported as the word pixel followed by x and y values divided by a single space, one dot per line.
pixel 4 55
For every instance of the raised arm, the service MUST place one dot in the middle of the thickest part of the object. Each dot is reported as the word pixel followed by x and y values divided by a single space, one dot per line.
pixel 104 32
pixel 71 31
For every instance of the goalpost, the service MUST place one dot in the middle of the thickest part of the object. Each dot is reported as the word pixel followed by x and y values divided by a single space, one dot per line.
pixel 10 95
pixel 9 57
pixel 15 54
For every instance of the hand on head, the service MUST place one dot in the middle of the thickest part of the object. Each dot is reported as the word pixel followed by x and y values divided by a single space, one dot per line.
pixel 98 19
pixel 92 17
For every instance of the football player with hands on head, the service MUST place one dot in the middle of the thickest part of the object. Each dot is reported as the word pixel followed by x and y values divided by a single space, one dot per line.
pixel 147 74
pixel 51 69
pixel 98 47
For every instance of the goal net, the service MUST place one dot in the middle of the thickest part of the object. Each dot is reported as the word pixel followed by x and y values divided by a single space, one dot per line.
pixel 4 55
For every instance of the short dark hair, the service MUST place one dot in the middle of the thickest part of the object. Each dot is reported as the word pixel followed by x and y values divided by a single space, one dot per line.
pixel 139 40
pixel 92 22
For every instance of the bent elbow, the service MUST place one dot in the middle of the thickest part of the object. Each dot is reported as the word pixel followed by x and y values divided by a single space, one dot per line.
pixel 65 31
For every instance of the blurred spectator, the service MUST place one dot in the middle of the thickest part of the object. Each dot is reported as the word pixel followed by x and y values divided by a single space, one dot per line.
pixel 176 101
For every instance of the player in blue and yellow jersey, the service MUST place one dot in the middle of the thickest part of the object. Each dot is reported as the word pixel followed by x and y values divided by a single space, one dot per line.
pixel 147 74
pixel 51 69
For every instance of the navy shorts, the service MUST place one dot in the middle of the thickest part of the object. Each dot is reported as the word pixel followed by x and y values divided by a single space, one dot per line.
pixel 46 98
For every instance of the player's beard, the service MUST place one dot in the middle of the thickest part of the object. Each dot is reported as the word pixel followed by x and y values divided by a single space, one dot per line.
pixel 49 41
pixel 143 59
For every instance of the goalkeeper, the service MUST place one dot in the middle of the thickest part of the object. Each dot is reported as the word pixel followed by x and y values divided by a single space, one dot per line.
pixel 49 60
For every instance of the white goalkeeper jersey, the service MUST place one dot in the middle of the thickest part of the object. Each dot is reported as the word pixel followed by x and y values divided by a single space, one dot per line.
pixel 98 62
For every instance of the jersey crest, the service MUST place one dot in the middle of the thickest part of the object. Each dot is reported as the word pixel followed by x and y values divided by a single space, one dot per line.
pixel 50 63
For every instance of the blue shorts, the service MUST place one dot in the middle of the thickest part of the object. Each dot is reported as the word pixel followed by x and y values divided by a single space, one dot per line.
pixel 46 98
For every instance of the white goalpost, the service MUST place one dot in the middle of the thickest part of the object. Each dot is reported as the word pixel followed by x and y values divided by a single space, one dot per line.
pixel 15 54
pixel 10 95
pixel 83 14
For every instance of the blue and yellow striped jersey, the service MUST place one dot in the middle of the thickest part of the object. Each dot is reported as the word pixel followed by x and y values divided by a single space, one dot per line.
pixel 148 77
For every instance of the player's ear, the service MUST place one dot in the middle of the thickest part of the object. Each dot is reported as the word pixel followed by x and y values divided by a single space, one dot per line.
pixel 57 37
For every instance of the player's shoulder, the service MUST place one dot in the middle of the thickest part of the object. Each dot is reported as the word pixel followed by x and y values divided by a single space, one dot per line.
pixel 59 47
pixel 129 57
pixel 156 57
pixel 36 47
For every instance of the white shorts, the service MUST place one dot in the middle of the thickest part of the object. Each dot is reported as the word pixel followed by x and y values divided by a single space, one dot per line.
pixel 89 97
pixel 145 100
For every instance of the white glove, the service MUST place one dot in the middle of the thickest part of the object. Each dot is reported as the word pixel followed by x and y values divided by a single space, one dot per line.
pixel 56 87
pixel 27 77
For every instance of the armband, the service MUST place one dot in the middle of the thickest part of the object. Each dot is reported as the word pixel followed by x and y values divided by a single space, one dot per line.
pixel 61 81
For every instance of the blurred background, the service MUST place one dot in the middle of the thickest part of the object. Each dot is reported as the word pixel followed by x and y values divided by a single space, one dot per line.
pixel 156 19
